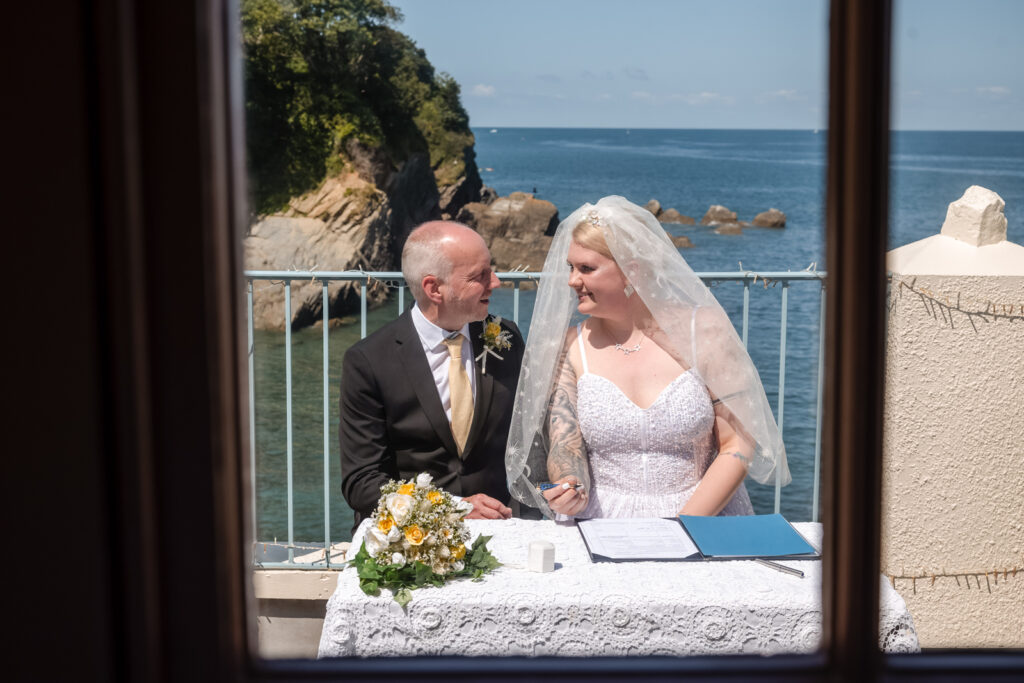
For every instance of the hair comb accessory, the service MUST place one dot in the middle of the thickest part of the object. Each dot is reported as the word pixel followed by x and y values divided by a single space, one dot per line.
pixel 593 218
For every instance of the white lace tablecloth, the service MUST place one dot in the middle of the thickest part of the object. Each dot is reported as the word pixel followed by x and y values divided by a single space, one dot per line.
pixel 585 609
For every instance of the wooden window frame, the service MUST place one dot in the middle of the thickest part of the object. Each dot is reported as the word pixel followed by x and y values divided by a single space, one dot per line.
pixel 162 84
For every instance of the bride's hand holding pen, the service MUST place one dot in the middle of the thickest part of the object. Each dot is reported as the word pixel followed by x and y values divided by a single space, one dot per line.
pixel 565 496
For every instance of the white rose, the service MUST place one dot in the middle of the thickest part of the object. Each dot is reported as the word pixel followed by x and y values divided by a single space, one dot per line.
pixel 464 507
pixel 423 480
pixel 400 506
pixel 458 566
pixel 375 540
pixel 444 552
pixel 398 558
pixel 394 533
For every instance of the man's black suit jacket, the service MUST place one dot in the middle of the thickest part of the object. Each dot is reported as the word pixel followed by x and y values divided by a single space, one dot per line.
pixel 394 426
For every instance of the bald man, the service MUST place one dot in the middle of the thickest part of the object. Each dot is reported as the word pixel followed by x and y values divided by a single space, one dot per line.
pixel 398 416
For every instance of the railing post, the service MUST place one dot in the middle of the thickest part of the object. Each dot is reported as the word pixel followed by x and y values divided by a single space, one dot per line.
pixel 252 408
pixel 746 309
pixel 288 412
pixel 327 430
pixel 362 309
pixel 515 302
pixel 821 394
pixel 782 382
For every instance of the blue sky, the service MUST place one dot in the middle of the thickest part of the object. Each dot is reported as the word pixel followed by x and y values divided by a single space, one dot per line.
pixel 713 64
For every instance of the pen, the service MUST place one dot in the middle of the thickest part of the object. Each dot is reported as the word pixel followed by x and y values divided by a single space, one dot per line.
pixel 547 485
pixel 779 567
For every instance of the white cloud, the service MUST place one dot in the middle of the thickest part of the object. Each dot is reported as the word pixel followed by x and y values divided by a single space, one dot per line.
pixel 783 95
pixel 642 95
pixel 993 90
pixel 703 98
pixel 481 90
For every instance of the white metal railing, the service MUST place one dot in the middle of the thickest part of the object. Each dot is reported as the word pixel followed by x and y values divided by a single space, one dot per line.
pixel 747 279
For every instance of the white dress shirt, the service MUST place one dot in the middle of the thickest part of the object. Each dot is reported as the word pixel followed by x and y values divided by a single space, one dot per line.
pixel 432 338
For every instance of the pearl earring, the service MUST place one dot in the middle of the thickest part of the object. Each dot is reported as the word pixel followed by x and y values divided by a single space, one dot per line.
pixel 628 289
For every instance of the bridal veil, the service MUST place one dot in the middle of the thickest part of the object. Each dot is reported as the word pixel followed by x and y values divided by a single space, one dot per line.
pixel 694 329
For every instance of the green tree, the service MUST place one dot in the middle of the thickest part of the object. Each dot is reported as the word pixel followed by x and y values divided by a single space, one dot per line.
pixel 318 72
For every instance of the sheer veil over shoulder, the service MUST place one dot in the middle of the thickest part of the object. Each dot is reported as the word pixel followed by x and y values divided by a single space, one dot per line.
pixel 693 327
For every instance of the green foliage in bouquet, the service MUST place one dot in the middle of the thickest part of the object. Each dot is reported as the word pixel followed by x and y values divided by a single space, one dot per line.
pixel 401 580
pixel 417 537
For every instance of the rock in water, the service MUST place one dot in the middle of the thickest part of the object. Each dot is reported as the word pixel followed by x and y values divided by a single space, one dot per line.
pixel 673 216
pixel 654 206
pixel 718 214
pixel 772 218
pixel 682 241
pixel 346 224
pixel 976 218
pixel 517 229
pixel 729 229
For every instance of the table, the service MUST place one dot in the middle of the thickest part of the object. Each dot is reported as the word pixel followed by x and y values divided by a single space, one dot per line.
pixel 589 609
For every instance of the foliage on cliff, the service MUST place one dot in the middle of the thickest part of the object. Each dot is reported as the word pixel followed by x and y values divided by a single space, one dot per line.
pixel 321 72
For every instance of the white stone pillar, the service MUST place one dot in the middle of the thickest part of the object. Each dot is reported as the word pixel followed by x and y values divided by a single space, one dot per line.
pixel 953 451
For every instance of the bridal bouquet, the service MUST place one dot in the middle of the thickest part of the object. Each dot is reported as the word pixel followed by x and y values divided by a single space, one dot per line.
pixel 417 537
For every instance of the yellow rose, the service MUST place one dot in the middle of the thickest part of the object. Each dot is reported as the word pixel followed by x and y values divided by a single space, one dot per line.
pixel 407 489
pixel 385 523
pixel 493 330
pixel 459 551
pixel 414 535
pixel 435 497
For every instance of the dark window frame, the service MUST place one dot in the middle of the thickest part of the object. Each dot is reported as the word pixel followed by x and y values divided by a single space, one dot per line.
pixel 163 100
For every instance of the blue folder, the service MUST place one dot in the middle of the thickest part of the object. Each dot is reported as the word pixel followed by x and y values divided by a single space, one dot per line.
pixel 767 536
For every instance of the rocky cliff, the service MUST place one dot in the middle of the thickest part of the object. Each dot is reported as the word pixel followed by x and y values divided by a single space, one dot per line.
pixel 356 220
pixel 352 139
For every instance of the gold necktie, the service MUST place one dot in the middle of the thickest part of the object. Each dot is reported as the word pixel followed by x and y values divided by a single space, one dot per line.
pixel 461 392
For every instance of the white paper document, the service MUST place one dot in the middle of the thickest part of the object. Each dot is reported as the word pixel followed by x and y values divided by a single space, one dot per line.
pixel 636 539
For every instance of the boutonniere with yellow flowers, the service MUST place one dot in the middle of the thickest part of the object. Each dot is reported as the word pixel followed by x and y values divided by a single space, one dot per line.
pixel 494 338
pixel 417 537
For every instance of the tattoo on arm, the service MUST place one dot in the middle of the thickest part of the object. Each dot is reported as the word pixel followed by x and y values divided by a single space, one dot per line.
pixel 567 455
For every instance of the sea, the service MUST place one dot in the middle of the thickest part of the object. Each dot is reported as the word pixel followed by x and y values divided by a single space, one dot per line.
pixel 748 171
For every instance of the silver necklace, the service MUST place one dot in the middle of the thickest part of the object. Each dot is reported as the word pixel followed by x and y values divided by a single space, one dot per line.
pixel 629 349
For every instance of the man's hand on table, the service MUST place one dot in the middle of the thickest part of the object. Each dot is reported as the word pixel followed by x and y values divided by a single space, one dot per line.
pixel 485 507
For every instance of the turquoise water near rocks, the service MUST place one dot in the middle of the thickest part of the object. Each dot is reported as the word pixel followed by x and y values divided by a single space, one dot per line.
pixel 746 170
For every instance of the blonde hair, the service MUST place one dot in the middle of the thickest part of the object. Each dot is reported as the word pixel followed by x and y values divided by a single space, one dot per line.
pixel 588 235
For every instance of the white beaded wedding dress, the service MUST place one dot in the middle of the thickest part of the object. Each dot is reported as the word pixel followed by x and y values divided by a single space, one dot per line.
pixel 646 462
pixel 643 462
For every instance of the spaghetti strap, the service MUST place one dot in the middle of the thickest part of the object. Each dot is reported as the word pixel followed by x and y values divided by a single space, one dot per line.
pixel 583 351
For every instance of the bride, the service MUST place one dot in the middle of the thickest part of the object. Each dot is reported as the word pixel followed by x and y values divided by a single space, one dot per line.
pixel 648 407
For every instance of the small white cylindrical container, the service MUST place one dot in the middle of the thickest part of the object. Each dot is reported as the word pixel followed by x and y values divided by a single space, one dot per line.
pixel 542 557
